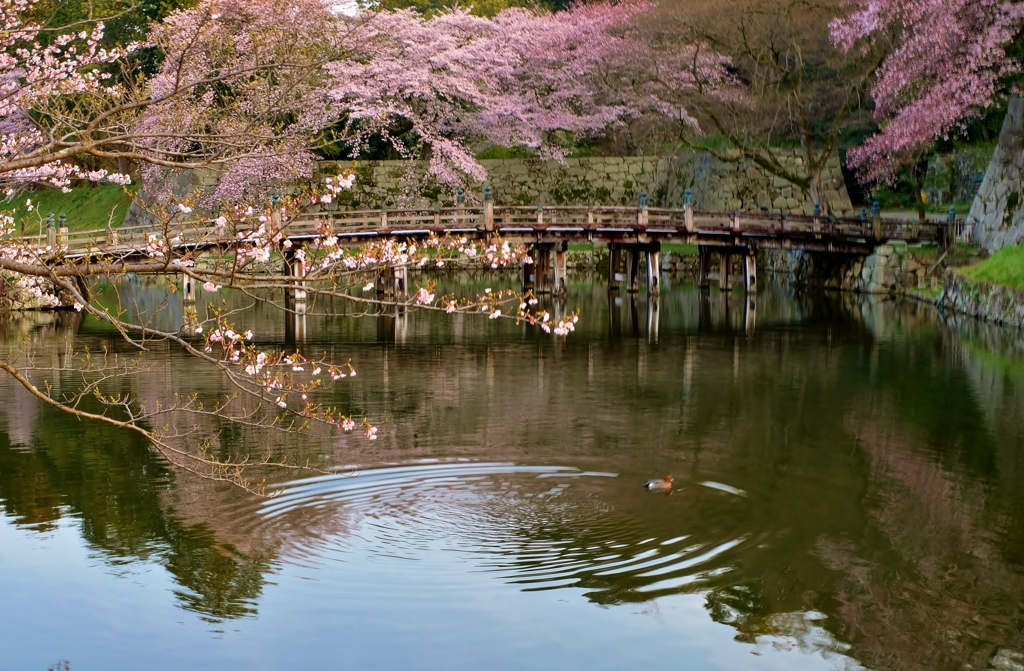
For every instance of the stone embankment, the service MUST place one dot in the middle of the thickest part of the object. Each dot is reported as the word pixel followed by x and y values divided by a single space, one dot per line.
pixel 990 302
pixel 891 269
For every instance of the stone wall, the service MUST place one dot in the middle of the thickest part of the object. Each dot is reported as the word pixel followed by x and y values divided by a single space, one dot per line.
pixel 991 302
pixel 889 269
pixel 996 211
pixel 716 184
pixel 13 297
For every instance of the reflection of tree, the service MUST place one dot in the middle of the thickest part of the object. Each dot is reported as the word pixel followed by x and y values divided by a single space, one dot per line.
pixel 114 483
pixel 926 587
pixel 881 470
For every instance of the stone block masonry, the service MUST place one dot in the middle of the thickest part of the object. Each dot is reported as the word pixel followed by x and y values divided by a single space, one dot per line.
pixel 991 302
pixel 997 211
pixel 890 269
pixel 716 185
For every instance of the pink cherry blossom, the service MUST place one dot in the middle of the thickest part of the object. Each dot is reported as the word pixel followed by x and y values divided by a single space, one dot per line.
pixel 946 66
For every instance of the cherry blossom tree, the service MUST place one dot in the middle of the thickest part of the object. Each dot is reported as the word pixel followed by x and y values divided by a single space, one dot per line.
pixel 787 83
pixel 948 62
pixel 251 86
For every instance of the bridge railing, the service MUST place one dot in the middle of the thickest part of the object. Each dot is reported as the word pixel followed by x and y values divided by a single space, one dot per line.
pixel 547 218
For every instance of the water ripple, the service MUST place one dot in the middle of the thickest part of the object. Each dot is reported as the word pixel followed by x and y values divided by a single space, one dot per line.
pixel 541 527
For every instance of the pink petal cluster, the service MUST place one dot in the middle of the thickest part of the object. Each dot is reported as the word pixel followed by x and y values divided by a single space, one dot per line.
pixel 946 66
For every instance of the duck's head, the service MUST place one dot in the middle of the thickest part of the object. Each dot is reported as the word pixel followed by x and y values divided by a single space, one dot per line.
pixel 669 478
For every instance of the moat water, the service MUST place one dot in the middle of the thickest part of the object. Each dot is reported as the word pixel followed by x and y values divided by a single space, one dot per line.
pixel 848 493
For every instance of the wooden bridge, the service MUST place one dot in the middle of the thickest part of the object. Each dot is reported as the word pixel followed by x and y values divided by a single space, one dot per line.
pixel 630 233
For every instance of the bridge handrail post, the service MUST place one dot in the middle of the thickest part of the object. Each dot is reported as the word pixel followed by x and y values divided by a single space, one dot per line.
pixel 817 217
pixel 51 231
pixel 383 217
pixel 437 215
pixel 688 211
pixel 876 221
pixel 953 230
pixel 590 214
pixel 734 221
pixel 488 209
pixel 540 214
pixel 62 232
pixel 275 210
pixel 641 213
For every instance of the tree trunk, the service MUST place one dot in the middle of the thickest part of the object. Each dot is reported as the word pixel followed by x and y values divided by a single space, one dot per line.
pixel 816 192
pixel 813 168
pixel 920 199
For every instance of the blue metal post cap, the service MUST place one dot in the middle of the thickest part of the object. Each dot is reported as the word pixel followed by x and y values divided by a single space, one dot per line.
pixel 49 220
pixel 688 197
pixel 458 196
pixel 274 198
pixel 63 219
pixel 817 209
pixel 863 214
pixel 952 213
pixel 643 199
pixel 488 193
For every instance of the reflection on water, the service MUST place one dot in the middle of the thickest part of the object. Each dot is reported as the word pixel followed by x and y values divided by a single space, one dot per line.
pixel 527 524
pixel 847 494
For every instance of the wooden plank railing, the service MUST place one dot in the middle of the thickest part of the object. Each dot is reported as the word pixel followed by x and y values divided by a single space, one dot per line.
pixel 554 220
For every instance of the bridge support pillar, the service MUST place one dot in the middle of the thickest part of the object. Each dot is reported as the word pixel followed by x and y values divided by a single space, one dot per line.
pixel 653 272
pixel 750 313
pixel 724 266
pixel 750 273
pixel 393 282
pixel 703 267
pixel 295 297
pixel 401 281
pixel 295 325
pixel 632 269
pixel 561 283
pixel 614 267
pixel 543 273
pixel 188 290
pixel 529 273
pixel 295 267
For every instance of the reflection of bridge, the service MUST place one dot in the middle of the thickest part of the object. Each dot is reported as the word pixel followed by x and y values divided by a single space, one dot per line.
pixel 630 234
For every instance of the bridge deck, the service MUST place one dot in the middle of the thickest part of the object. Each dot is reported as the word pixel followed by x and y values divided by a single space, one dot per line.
pixel 623 225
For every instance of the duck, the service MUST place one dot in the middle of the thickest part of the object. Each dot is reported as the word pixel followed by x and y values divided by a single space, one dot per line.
pixel 664 483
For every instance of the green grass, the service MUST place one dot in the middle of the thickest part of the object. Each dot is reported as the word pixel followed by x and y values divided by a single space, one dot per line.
pixel 927 251
pixel 1005 268
pixel 499 152
pixel 682 250
pixel 86 209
